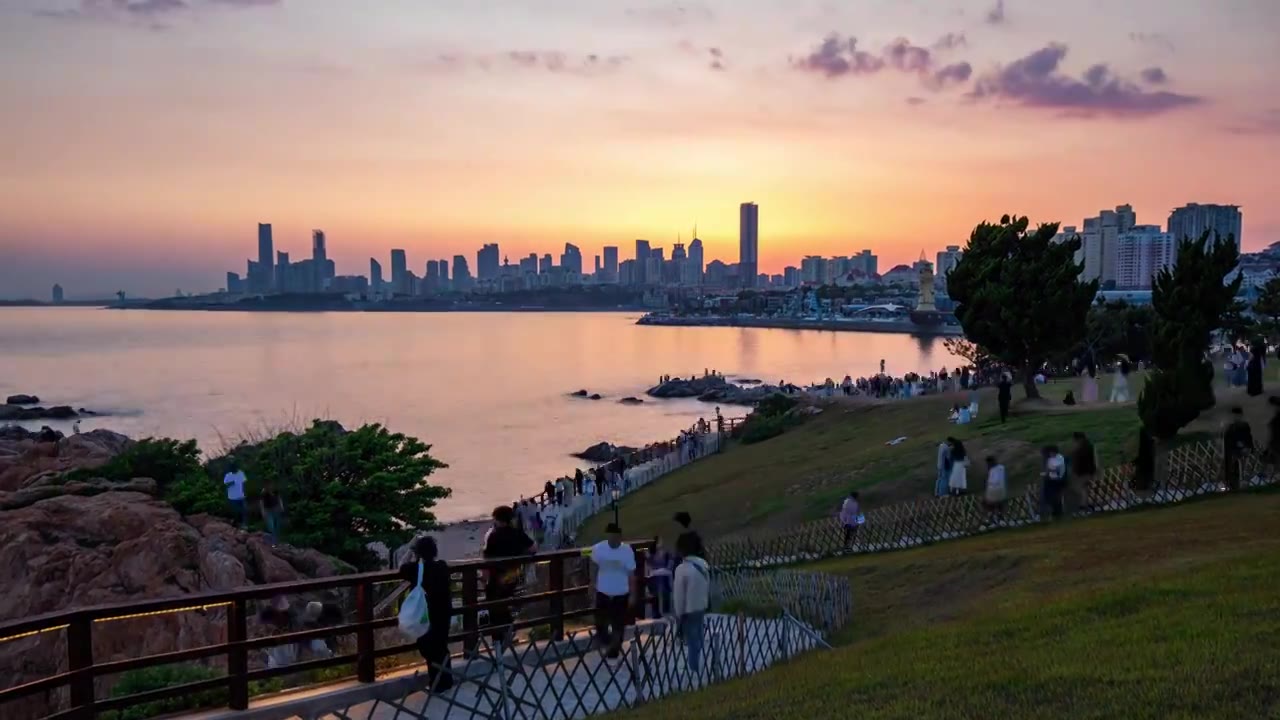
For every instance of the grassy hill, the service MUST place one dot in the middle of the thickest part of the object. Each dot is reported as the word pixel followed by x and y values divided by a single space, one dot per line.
pixel 1169 613
pixel 804 473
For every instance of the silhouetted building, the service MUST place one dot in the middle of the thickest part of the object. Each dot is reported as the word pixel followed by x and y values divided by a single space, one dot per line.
pixel 545 264
pixel 487 262
pixel 399 272
pixel 233 283
pixel 375 274
pixel 642 260
pixel 748 242
pixel 444 275
pixel 266 274
pixel 571 259
pixel 1192 220
pixel 611 263
pixel 323 268
pixel 282 272
pixel 693 267
pixel 57 294
pixel 462 280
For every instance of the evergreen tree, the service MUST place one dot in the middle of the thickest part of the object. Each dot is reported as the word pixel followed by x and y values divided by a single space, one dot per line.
pixel 1019 296
pixel 1267 308
pixel 1190 301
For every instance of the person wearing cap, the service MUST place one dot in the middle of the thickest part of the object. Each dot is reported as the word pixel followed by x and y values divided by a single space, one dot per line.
pixel 613 563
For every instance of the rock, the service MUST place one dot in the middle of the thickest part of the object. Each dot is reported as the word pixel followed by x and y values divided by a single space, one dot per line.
pixel 25 457
pixel 18 412
pixel 749 381
pixel 738 395
pixel 631 401
pixel 578 393
pixel 22 400
pixel 603 452
pixel 680 388
pixel 113 547
pixel 595 396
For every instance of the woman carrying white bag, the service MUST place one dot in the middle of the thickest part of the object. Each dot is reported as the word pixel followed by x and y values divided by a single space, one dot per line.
pixel 426 610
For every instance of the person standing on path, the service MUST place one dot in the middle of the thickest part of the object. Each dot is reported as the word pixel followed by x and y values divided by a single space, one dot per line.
pixel 1253 370
pixel 1055 479
pixel 504 541
pixel 436 585
pixel 612 564
pixel 234 481
pixel 1084 470
pixel 1004 396
pixel 1120 383
pixel 958 483
pixel 691 598
pixel 272 507
pixel 997 489
pixel 850 511
pixel 944 469
pixel 1237 443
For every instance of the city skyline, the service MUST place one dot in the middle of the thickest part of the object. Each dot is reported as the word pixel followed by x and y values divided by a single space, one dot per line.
pixel 440 129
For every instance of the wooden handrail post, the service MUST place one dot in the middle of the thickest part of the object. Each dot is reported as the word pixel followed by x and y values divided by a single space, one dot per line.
pixel 237 655
pixel 80 662
pixel 470 616
pixel 365 669
pixel 642 584
pixel 557 601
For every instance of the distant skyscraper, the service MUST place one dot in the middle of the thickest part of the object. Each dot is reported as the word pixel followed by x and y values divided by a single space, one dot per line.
pixel 611 263
pixel 597 270
pixel 487 262
pixel 461 274
pixel 694 265
pixel 444 274
pixel 57 294
pixel 571 259
pixel 399 272
pixel 867 262
pixel 748 242
pixel 282 272
pixel 545 264
pixel 791 276
pixel 320 261
pixel 263 282
pixel 233 283
pixel 375 274
pixel 529 265
pixel 947 261
pixel 1142 252
pixel 431 281
pixel 642 261
pixel 627 272
pixel 1192 219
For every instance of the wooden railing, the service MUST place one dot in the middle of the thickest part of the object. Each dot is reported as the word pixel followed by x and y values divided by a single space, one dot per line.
pixel 83 669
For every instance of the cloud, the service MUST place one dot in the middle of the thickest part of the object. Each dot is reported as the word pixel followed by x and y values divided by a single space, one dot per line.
pixel 1265 123
pixel 1034 81
pixel 717 59
pixel 552 61
pixel 676 14
pixel 996 16
pixel 1158 40
pixel 835 58
pixel 1155 76
pixel 950 41
pixel 916 101
pixel 149 13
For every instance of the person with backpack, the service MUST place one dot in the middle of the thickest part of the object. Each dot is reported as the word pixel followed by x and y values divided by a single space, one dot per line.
pixel 429 577
pixel 690 598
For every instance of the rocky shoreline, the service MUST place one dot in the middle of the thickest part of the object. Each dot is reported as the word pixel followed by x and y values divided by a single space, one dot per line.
pixel 17 408
pixel 716 389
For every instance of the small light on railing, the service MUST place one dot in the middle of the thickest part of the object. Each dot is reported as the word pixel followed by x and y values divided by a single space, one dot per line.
pixel 616 493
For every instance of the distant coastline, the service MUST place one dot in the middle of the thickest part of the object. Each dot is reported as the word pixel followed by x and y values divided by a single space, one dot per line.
pixel 784 323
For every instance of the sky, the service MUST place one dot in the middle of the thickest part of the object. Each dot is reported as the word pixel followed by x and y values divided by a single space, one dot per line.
pixel 141 141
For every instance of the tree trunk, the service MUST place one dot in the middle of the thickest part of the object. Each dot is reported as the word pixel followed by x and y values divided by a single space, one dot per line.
pixel 1029 380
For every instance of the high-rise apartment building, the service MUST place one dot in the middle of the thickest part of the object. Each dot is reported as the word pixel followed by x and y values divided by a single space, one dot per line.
pixel 611 263
pixel 545 263
pixel 323 269
pixel 1099 237
pixel 1142 252
pixel 487 262
pixel 791 276
pixel 748 243
pixel 529 265
pixel 375 274
pixel 1193 219
pixel 813 270
pixel 282 273
pixel 266 273
pixel 462 281
pixel 571 259
pixel 693 268
pixel 399 272
pixel 642 261
pixel 56 294
pixel 233 283
pixel 444 274
pixel 947 261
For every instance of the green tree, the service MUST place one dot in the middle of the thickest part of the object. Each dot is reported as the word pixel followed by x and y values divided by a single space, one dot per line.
pixel 1190 300
pixel 1019 296
pixel 1118 328
pixel 343 489
pixel 1267 307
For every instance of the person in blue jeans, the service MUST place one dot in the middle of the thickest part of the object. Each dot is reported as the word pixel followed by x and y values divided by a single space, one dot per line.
pixel 690 597
pixel 272 506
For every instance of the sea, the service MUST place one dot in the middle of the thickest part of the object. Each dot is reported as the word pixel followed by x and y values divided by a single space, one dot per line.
pixel 489 391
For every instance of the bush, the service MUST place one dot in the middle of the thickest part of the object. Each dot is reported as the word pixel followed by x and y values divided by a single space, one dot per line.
pixel 159 678
pixel 775 405
pixel 753 607
pixel 756 430
pixel 199 493
pixel 162 459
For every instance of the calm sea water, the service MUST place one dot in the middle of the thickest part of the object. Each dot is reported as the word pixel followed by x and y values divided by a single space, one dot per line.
pixel 489 391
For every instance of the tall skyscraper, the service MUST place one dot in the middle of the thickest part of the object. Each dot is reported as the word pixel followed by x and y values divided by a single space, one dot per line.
pixel 597 270
pixel 399 272
pixel 233 283
pixel 529 265
pixel 56 294
pixel 693 268
pixel 867 262
pixel 461 274
pixel 487 262
pixel 611 263
pixel 444 274
pixel 320 262
pixel 642 261
pixel 431 281
pixel 947 260
pixel 282 272
pixel 1192 219
pixel 266 273
pixel 1142 252
pixel 748 243
pixel 571 259
pixel 375 274
pixel 545 264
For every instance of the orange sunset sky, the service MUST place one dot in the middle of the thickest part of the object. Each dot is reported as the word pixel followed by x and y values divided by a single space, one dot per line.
pixel 144 139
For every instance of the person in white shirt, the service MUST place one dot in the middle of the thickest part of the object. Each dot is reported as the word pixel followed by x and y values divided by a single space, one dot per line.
pixel 691 596
pixel 234 481
pixel 613 563
pixel 1055 479
pixel 850 512
pixel 997 488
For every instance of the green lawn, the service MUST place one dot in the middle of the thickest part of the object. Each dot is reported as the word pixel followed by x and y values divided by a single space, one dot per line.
pixel 1168 613
pixel 804 473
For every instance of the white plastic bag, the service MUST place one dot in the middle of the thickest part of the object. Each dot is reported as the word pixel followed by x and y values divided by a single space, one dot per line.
pixel 414 619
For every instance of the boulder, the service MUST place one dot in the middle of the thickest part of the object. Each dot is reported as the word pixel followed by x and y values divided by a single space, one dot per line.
pixel 595 396
pixel 631 401
pixel 25 458
pixel 681 388
pixel 22 400
pixel 13 413
pixel 603 452
pixel 578 393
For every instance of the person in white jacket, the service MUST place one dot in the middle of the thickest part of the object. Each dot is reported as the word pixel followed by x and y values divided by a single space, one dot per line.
pixel 691 596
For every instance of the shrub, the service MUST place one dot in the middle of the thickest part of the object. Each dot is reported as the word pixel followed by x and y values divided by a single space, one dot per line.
pixel 756 430
pixel 775 405
pixel 162 459
pixel 752 607
pixel 159 678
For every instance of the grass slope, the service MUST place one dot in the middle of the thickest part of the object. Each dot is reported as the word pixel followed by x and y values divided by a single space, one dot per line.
pixel 804 473
pixel 1170 613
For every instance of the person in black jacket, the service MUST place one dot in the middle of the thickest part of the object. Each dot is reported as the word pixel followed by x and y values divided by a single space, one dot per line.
pixel 1084 470
pixel 434 644
pixel 1237 443
pixel 1004 396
